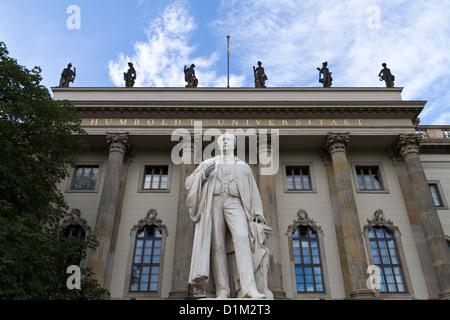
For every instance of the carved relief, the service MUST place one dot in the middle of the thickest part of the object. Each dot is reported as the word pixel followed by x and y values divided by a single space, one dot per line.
pixel 150 219
pixel 379 220
pixel 408 143
pixel 74 220
pixel 303 220
pixel 325 155
pixel 337 142
pixel 118 142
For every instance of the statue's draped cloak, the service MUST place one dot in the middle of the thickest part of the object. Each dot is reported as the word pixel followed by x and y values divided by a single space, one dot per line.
pixel 199 204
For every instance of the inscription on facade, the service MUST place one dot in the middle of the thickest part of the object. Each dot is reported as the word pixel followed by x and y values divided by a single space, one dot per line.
pixel 158 122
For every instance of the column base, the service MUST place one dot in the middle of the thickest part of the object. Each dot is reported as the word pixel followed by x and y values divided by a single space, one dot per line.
pixel 362 294
pixel 444 295
pixel 278 293
pixel 178 294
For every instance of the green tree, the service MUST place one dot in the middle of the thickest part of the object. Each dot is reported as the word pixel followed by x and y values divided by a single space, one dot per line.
pixel 38 144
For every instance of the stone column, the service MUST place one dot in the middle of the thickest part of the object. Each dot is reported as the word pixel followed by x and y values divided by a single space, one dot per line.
pixel 416 226
pixel 266 183
pixel 117 218
pixel 118 145
pixel 337 218
pixel 408 147
pixel 184 236
pixel 336 145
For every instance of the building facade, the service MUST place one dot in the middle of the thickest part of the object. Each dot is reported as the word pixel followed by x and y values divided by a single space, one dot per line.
pixel 355 191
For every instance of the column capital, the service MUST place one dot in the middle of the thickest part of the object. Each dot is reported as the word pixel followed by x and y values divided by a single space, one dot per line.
pixel 336 142
pixel 325 155
pixel 118 142
pixel 408 143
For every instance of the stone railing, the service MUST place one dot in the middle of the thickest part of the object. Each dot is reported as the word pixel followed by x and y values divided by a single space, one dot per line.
pixel 434 132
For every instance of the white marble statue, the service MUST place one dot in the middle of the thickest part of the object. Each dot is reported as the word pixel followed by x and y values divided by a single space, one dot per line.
pixel 229 256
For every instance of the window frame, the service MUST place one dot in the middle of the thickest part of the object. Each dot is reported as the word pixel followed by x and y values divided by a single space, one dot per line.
pixel 381 174
pixel 382 265
pixel 85 164
pixel 379 221
pixel 150 264
pixel 151 219
pixel 309 166
pixel 142 175
pixel 440 194
pixel 303 265
pixel 304 220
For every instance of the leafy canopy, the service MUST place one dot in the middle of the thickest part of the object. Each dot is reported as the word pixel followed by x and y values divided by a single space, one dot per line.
pixel 38 137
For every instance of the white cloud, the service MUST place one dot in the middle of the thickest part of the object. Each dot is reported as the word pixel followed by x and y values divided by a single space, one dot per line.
pixel 160 61
pixel 293 37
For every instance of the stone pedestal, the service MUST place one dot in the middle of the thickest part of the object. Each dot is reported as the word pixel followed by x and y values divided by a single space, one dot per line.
pixel 336 145
pixel 118 145
pixel 408 147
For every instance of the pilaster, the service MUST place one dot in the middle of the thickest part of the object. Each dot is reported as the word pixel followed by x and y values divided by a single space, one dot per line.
pixel 185 228
pixel 267 190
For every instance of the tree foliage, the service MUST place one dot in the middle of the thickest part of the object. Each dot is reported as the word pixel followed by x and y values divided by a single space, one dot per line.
pixel 38 141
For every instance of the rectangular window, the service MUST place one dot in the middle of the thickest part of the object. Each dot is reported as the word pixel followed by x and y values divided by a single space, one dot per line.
pixel 85 177
pixel 155 178
pixel 436 196
pixel 368 178
pixel 298 178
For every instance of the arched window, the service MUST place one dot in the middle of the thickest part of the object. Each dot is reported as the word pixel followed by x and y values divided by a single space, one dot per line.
pixel 385 248
pixel 147 256
pixel 385 256
pixel 76 227
pixel 308 267
pixel 75 230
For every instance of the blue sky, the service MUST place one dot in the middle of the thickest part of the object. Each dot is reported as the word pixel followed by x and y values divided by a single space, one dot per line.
pixel 291 38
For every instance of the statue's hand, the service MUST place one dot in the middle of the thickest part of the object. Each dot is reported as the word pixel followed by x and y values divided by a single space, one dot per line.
pixel 210 168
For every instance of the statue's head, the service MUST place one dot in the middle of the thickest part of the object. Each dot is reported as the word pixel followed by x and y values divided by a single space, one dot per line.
pixel 130 64
pixel 69 65
pixel 325 63
pixel 192 65
pixel 384 65
pixel 259 63
pixel 227 143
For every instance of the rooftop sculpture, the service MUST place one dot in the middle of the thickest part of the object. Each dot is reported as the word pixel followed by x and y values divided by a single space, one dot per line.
pixel 189 77
pixel 260 76
pixel 67 76
pixel 386 75
pixel 327 79
pixel 129 76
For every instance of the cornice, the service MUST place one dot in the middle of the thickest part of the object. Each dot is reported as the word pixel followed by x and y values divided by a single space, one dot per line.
pixel 395 109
